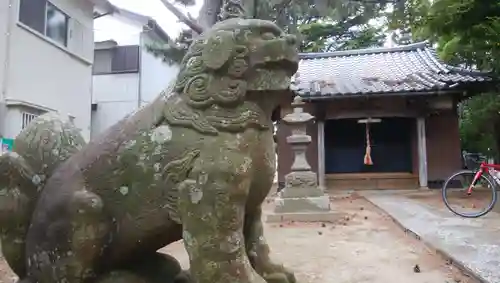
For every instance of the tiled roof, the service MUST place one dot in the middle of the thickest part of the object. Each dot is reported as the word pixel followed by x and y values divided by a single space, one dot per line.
pixel 403 69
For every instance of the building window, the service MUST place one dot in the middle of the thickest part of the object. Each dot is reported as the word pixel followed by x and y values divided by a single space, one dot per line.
pixel 56 27
pixel 119 59
pixel 125 59
pixel 27 118
pixel 45 18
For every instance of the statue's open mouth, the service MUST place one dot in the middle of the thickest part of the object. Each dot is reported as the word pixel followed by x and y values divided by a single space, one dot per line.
pixel 273 74
pixel 288 65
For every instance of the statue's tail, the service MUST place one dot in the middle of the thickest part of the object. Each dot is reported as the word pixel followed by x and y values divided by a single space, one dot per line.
pixel 44 144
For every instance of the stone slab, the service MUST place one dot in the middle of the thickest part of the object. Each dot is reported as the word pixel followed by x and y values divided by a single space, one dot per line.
pixel 299 192
pixel 301 184
pixel 473 245
pixel 329 216
pixel 304 204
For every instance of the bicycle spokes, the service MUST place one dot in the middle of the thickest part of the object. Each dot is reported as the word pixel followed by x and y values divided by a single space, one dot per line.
pixel 469 193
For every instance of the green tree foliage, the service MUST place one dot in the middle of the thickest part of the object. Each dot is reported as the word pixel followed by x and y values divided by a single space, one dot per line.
pixel 341 25
pixel 321 25
pixel 468 34
pixel 478 123
pixel 406 20
pixel 172 52
pixel 333 36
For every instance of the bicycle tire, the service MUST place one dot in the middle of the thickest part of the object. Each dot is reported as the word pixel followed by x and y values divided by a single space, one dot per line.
pixel 492 185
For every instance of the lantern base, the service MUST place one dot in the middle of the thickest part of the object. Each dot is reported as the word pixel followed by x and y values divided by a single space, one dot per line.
pixel 329 216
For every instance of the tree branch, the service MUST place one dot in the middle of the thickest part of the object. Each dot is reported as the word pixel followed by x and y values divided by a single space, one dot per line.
pixel 191 18
pixel 209 12
pixel 183 18
pixel 282 6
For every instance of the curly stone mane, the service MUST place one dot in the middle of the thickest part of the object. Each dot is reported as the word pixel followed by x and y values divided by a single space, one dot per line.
pixel 212 86
pixel 202 85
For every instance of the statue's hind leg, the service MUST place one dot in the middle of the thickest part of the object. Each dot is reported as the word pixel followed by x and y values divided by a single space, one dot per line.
pixel 89 230
pixel 259 252
pixel 121 276
pixel 148 268
pixel 85 229
pixel 18 194
pixel 158 268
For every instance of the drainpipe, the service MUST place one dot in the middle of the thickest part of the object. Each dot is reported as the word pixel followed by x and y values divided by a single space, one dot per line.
pixel 6 64
pixel 8 35
pixel 139 91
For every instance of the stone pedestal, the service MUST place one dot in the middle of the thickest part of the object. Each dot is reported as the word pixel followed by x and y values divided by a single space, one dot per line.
pixel 301 199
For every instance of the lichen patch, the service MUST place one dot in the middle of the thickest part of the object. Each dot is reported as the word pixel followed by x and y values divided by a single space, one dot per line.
pixel 196 194
pixel 123 190
pixel 161 134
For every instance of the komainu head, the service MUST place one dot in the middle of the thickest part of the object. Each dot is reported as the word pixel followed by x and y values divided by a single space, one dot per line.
pixel 233 57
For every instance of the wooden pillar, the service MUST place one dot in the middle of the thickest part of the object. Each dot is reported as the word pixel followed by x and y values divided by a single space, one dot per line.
pixel 321 153
pixel 422 153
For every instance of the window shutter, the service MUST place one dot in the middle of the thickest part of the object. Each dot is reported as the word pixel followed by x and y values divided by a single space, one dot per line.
pixel 125 59
pixel 132 58
pixel 102 61
pixel 81 39
pixel 75 42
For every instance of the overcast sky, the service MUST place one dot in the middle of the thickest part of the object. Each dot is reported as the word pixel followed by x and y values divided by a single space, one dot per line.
pixel 104 29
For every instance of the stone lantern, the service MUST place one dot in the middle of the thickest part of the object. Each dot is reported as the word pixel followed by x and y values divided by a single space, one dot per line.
pixel 301 199
pixel 299 140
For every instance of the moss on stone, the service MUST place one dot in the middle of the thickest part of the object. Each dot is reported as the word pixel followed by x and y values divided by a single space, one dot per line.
pixel 195 164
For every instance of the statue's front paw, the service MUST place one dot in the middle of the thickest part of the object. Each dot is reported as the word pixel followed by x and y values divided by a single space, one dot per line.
pixel 183 277
pixel 269 270
pixel 280 277
pixel 276 273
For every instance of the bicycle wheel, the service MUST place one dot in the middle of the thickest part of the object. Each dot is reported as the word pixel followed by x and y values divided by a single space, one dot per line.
pixel 478 203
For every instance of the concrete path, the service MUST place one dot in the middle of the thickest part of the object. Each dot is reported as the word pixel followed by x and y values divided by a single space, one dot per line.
pixel 472 244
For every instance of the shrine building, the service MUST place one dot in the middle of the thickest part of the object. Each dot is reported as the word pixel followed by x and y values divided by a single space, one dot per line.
pixel 403 100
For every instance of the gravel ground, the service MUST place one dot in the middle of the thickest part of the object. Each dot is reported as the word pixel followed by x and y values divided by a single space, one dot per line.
pixel 365 246
pixel 6 275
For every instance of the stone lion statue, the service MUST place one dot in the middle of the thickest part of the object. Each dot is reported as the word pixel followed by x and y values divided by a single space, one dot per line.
pixel 195 164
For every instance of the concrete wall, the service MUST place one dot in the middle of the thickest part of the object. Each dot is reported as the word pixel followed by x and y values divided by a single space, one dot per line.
pixel 13 119
pixel 155 74
pixel 5 22
pixel 49 75
pixel 116 96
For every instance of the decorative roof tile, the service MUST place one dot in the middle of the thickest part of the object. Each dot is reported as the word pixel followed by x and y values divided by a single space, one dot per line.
pixel 404 69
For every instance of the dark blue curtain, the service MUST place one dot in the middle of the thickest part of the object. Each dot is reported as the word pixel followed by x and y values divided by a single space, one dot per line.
pixel 391 145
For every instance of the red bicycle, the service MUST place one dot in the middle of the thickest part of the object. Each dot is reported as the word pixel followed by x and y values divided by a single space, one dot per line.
pixel 474 191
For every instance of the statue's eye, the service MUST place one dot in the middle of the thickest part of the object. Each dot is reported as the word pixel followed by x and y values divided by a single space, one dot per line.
pixel 241 50
pixel 268 36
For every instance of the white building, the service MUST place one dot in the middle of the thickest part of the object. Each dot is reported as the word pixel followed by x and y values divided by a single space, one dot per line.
pixel 46 54
pixel 126 75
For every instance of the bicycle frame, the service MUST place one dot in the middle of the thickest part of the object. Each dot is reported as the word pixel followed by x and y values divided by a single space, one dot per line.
pixel 483 168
